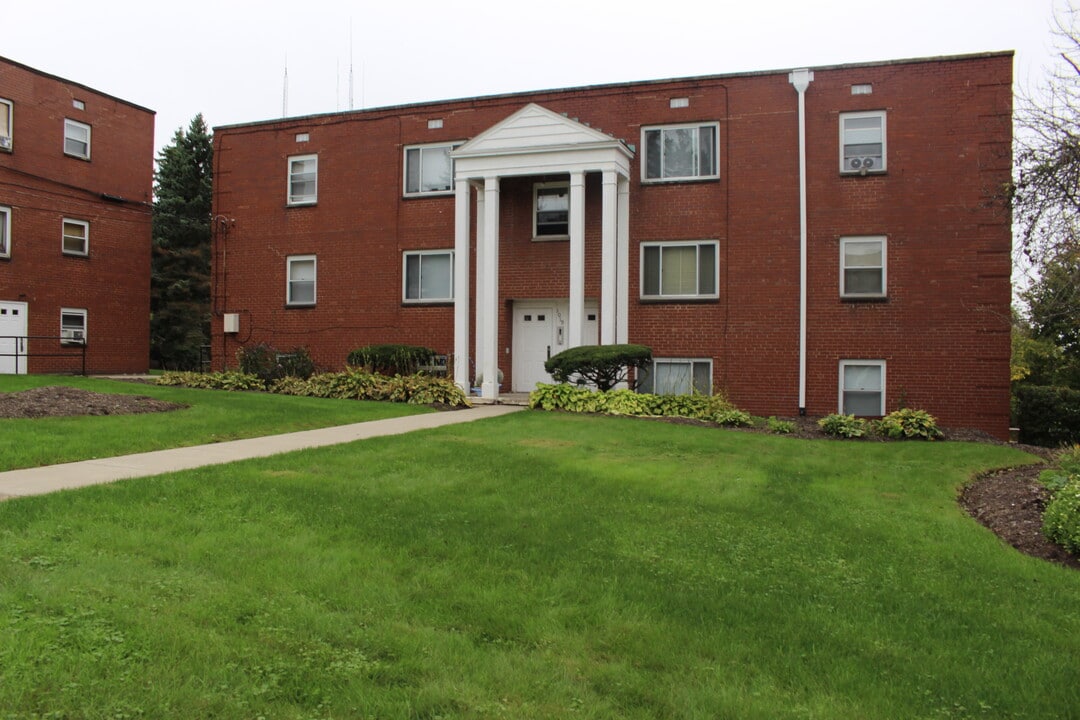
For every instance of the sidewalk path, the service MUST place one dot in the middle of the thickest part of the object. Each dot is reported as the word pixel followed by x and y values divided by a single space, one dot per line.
pixel 41 480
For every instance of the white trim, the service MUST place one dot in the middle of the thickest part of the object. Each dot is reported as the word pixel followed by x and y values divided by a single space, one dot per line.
pixel 645 179
pixel 289 261
pixel 865 363
pixel 69 123
pixel 679 360
pixel 537 187
pixel 880 163
pixel 5 232
pixel 682 243
pixel 405 277
pixel 405 168
pixel 73 336
pixel 7 107
pixel 884 265
pixel 293 199
pixel 85 237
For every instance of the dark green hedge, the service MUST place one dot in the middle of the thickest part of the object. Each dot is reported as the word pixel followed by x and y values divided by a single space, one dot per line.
pixel 391 359
pixel 1048 416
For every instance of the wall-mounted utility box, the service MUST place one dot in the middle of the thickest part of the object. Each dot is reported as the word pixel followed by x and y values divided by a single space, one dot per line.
pixel 232 322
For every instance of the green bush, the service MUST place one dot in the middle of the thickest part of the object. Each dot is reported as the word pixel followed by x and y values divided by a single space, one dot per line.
pixel 1048 416
pixel 845 426
pixel 1068 465
pixel 909 424
pixel 228 380
pixel 780 427
pixel 270 364
pixel 391 359
pixel 1061 519
pixel 605 366
pixel 712 408
pixel 732 418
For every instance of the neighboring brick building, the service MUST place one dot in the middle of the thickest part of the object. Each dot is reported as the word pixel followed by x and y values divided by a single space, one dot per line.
pixel 665 213
pixel 76 170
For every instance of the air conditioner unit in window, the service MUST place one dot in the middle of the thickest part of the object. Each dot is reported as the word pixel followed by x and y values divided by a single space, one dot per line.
pixel 5 142
pixel 72 336
pixel 866 163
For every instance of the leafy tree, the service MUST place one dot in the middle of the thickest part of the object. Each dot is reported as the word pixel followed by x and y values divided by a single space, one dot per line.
pixel 603 365
pixel 1053 302
pixel 180 265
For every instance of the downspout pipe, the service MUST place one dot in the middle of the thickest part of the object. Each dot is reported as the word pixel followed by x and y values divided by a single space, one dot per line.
pixel 801 79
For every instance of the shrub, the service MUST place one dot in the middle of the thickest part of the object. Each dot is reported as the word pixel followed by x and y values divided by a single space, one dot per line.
pixel 1061 519
pixel 908 424
pixel 228 380
pixel 845 426
pixel 605 366
pixel 270 364
pixel 563 397
pixel 732 418
pixel 391 359
pixel 1048 416
pixel 780 427
pixel 572 398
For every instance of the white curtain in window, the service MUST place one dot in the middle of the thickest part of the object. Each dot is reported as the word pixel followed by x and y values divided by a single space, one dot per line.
pixel 679 270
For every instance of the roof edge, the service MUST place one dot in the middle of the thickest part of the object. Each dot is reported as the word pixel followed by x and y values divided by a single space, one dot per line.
pixel 66 81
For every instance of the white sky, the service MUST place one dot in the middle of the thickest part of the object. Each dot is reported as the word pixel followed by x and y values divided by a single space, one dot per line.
pixel 226 58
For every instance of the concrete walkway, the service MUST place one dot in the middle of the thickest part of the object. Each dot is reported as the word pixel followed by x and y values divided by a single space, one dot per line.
pixel 41 480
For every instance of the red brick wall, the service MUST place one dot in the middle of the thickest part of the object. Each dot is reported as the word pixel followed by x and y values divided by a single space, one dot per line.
pixel 42 186
pixel 943 329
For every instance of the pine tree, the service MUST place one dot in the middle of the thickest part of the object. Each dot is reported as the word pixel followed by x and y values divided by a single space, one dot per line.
pixel 180 279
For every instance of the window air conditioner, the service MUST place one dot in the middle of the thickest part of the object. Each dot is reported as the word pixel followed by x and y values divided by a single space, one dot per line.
pixel 5 142
pixel 72 336
pixel 866 163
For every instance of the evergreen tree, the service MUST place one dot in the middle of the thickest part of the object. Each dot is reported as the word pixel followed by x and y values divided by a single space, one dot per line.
pixel 180 266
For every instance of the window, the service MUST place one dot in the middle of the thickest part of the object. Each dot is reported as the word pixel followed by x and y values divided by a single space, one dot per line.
pixel 429 169
pixel 862 267
pixel 72 326
pixel 680 152
pixel 77 139
pixel 862 142
pixel 5 232
pixel 300 288
pixel 429 276
pixel 551 210
pixel 303 179
pixel 676 377
pixel 6 115
pixel 862 387
pixel 76 237
pixel 679 270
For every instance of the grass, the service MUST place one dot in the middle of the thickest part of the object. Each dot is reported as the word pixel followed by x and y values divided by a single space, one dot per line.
pixel 537 566
pixel 213 416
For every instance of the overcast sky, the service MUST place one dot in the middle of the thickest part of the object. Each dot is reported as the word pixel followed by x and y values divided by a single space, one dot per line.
pixel 227 58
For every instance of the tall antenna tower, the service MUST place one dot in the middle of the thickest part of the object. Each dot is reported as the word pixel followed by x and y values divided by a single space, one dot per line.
pixel 350 65
pixel 285 89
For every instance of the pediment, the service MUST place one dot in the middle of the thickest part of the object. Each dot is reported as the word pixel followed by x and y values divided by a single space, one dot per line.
pixel 534 128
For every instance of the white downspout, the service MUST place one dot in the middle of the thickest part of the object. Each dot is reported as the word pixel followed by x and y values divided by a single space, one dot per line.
pixel 801 79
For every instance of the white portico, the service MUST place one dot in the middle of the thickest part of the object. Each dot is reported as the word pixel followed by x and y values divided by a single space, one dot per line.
pixel 535 141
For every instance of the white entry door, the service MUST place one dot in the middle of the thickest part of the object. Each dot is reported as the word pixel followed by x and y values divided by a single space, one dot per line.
pixel 12 349
pixel 540 332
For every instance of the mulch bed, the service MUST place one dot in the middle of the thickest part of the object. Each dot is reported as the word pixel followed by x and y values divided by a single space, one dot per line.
pixel 1009 502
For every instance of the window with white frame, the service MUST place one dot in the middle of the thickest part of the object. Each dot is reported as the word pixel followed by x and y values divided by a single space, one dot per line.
pixel 6 117
pixel 862 387
pixel 72 326
pixel 676 377
pixel 679 270
pixel 428 276
pixel 862 142
pixel 551 210
pixel 76 237
pixel 680 152
pixel 76 139
pixel 300 289
pixel 862 267
pixel 5 232
pixel 303 179
pixel 429 169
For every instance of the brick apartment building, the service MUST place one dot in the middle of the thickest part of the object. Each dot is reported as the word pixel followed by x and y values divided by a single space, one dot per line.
pixel 76 170
pixel 820 240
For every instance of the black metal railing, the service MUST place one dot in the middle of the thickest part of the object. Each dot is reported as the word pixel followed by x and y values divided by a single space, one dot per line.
pixel 24 349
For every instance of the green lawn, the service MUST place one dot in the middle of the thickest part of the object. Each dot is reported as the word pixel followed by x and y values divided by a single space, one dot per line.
pixel 537 566
pixel 213 416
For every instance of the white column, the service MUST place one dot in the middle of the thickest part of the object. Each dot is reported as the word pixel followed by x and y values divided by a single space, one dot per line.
pixel 608 261
pixel 461 284
pixel 622 244
pixel 481 246
pixel 489 361
pixel 576 323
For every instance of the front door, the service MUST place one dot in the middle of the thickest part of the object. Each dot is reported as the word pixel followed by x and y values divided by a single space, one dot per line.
pixel 539 333
pixel 12 338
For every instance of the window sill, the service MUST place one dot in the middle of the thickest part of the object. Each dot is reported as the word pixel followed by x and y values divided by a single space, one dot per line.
pixel 872 299
pixel 422 195
pixel 299 306
pixel 427 303
pixel 671 181
pixel 70 254
pixel 310 203
pixel 678 300
pixel 864 173
pixel 551 238
pixel 84 158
